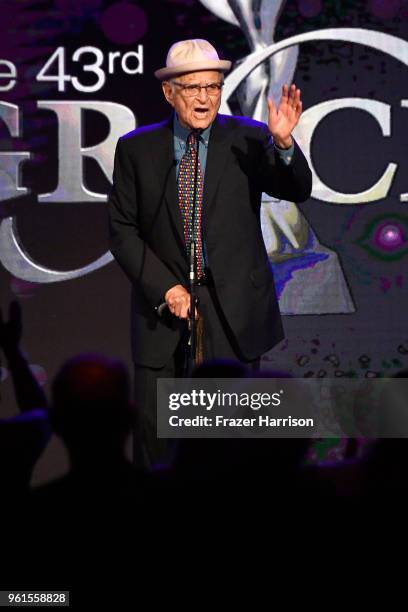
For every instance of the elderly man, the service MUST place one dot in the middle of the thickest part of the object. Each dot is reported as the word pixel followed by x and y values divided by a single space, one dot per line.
pixel 151 209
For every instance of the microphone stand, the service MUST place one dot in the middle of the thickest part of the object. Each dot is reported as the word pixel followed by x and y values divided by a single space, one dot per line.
pixel 192 343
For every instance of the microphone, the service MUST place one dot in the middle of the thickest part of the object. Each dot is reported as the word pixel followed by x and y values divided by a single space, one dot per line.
pixel 160 309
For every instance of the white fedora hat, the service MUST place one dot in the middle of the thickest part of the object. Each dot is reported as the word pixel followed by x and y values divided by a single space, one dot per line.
pixel 191 56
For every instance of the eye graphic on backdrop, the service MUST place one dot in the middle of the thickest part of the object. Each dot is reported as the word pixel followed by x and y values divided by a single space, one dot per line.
pixel 386 237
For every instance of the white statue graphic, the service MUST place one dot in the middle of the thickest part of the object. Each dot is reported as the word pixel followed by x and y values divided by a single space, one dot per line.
pixel 308 275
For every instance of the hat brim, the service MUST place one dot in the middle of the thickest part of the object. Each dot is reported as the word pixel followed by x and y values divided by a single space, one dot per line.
pixel 167 73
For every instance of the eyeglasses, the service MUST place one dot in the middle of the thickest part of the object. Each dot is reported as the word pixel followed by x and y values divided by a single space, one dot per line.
pixel 192 89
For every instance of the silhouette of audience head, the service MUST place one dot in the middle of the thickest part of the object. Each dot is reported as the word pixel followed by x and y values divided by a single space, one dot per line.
pixel 90 406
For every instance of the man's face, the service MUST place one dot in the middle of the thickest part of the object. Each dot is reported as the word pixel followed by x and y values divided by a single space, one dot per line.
pixel 195 109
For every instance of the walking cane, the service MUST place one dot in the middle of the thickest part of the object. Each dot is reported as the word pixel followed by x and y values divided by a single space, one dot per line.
pixel 192 324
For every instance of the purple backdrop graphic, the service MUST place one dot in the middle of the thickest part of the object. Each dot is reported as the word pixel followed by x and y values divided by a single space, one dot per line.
pixel 75 75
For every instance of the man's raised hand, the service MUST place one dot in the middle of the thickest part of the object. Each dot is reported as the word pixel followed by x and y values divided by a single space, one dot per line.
pixel 283 120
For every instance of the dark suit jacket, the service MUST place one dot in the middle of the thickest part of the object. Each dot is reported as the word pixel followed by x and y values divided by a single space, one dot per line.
pixel 147 234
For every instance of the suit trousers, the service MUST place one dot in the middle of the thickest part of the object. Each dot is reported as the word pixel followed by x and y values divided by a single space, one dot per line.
pixel 218 343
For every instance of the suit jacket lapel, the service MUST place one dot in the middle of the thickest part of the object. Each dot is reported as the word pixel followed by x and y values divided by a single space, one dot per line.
pixel 216 159
pixel 164 163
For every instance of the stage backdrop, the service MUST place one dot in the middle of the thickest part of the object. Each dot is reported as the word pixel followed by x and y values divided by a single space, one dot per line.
pixel 76 74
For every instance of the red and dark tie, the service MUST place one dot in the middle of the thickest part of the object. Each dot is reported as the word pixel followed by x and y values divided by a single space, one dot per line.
pixel 189 163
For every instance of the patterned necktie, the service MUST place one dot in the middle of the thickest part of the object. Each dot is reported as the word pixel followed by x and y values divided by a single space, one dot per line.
pixel 192 231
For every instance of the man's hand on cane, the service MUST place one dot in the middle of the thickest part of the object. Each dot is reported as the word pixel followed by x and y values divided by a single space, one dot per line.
pixel 178 301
